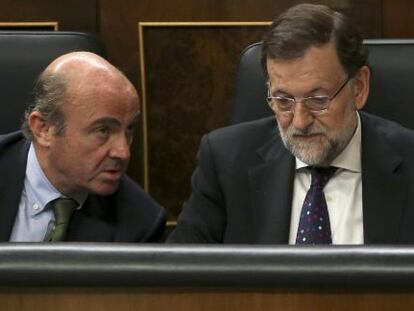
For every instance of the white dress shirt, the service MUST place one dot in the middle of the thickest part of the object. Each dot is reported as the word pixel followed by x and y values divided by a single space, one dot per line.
pixel 343 194
pixel 34 219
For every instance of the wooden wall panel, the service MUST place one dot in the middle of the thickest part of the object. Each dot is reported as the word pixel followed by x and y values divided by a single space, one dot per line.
pixel 74 15
pixel 205 299
pixel 398 19
pixel 189 83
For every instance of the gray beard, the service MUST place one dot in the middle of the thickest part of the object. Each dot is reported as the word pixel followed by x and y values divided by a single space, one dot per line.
pixel 311 153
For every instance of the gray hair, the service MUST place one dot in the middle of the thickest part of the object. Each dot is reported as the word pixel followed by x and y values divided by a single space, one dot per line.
pixel 48 98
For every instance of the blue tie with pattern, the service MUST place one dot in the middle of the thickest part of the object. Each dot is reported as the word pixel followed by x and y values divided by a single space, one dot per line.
pixel 314 225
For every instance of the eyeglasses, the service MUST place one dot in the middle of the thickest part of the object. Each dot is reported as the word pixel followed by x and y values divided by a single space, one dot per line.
pixel 315 104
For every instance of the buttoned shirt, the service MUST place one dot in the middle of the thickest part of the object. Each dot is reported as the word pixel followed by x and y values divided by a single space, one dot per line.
pixel 34 219
pixel 343 194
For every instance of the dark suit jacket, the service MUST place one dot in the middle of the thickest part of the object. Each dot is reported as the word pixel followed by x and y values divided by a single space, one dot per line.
pixel 242 187
pixel 129 215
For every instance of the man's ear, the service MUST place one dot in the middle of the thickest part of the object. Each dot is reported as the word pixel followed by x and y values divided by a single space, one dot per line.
pixel 361 83
pixel 41 129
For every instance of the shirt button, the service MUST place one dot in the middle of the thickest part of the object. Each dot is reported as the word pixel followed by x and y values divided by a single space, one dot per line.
pixel 36 206
pixel 328 198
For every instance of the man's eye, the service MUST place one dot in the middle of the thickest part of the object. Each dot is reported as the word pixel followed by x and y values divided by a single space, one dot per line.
pixel 102 131
pixel 317 101
pixel 284 102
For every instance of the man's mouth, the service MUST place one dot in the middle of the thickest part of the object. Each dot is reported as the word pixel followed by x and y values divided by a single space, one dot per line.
pixel 113 174
pixel 307 136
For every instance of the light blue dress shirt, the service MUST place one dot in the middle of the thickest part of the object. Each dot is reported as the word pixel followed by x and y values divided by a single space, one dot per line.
pixel 34 220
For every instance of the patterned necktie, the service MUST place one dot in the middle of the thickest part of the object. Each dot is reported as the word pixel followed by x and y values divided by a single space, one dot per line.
pixel 63 209
pixel 314 225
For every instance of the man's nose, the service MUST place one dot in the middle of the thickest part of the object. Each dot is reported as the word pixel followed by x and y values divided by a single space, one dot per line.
pixel 120 148
pixel 302 117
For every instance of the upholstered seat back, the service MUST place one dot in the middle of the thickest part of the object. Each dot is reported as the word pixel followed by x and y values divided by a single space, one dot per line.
pixel 392 82
pixel 23 55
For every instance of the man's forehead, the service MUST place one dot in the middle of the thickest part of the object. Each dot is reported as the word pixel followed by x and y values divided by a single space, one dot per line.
pixel 99 84
pixel 315 52
pixel 111 120
pixel 317 60
pixel 89 115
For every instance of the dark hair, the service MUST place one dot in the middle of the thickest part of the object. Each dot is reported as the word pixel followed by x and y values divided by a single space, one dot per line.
pixel 48 97
pixel 306 25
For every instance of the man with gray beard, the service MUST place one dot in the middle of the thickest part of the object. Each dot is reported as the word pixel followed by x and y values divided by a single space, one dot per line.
pixel 321 171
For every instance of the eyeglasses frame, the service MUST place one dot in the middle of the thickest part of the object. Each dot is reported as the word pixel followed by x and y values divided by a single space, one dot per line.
pixel 294 101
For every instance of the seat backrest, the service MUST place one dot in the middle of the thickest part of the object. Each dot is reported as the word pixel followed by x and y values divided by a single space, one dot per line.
pixel 391 91
pixel 23 56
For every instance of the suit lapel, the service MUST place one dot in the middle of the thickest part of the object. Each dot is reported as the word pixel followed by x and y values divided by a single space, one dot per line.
pixel 271 186
pixel 93 223
pixel 384 187
pixel 13 168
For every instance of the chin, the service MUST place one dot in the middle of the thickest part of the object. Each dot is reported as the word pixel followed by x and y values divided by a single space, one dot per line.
pixel 105 188
pixel 313 161
pixel 316 158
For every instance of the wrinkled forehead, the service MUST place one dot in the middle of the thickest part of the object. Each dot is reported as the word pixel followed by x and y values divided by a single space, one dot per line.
pixel 89 102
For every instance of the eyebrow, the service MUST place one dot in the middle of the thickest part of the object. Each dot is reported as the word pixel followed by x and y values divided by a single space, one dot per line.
pixel 106 121
pixel 287 94
pixel 113 121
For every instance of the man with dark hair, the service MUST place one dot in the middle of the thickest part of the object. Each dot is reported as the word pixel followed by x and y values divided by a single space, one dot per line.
pixel 63 176
pixel 321 171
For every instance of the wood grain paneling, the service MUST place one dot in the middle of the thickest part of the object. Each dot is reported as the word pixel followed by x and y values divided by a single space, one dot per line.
pixel 183 299
pixel 189 73
pixel 398 21
pixel 74 15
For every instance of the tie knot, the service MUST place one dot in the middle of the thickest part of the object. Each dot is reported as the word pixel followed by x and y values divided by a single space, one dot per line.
pixel 321 175
pixel 63 209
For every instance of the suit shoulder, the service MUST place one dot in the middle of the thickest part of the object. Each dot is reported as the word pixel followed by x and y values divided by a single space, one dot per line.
pixel 13 152
pixel 390 130
pixel 237 146
pixel 8 140
pixel 252 133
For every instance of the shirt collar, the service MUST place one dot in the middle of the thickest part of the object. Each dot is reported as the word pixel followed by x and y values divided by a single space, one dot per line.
pixel 39 187
pixel 350 157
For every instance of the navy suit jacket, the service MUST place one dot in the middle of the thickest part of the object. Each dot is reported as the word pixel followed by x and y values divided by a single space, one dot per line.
pixel 128 215
pixel 242 188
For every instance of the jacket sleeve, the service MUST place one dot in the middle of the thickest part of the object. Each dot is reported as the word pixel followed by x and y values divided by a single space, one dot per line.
pixel 203 217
